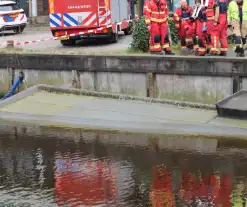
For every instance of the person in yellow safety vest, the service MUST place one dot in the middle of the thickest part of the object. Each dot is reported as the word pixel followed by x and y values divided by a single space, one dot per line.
pixel 237 22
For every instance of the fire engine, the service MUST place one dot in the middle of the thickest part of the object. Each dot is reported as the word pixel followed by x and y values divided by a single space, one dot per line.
pixel 72 20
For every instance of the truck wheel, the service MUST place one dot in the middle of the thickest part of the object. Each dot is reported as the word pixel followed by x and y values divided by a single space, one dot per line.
pixel 68 42
pixel 128 31
pixel 114 37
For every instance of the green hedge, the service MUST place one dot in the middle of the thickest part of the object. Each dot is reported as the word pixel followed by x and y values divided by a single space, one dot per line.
pixel 173 32
pixel 141 35
pixel 140 41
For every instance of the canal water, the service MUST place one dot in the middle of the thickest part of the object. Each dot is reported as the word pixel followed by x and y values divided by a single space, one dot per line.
pixel 61 167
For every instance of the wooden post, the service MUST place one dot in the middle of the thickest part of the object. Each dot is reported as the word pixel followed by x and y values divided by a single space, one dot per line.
pixel 151 91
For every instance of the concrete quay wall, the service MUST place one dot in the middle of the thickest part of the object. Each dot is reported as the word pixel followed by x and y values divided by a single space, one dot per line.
pixel 194 79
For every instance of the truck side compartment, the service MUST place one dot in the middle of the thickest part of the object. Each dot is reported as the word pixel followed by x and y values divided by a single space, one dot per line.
pixel 80 19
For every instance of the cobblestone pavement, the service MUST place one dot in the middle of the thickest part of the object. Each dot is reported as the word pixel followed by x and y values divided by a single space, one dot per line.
pixel 39 33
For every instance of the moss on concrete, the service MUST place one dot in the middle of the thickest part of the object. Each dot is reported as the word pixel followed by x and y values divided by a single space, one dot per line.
pixel 175 48
pixel 71 52
pixel 190 96
pixel 132 91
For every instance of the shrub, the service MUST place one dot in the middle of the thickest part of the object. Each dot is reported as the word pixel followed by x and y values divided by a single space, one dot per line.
pixel 140 41
pixel 173 32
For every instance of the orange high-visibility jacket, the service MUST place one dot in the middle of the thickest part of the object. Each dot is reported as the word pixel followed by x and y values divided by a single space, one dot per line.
pixel 156 12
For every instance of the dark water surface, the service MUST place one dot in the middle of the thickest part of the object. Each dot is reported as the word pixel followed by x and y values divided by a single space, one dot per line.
pixel 44 167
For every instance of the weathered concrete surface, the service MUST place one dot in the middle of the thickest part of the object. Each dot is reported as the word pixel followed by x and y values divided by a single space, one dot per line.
pixel 201 89
pixel 121 83
pixel 56 78
pixel 152 142
pixel 91 112
pixel 244 83
pixel 179 65
pixel 5 80
pixel 194 79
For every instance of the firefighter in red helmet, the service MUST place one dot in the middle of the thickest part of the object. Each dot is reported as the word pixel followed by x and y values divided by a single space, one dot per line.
pixel 156 18
pixel 184 25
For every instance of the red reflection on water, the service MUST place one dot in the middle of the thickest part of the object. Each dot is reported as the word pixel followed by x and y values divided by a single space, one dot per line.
pixel 224 194
pixel 211 189
pixel 84 182
pixel 193 188
pixel 161 193
pixel 189 187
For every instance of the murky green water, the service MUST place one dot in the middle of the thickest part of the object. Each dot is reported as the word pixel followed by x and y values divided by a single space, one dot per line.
pixel 43 167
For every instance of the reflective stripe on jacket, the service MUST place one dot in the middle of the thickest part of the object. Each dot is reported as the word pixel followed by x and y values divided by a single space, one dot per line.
pixel 233 11
pixel 156 12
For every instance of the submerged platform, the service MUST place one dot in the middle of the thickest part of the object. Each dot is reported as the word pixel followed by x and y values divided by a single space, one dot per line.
pixel 234 106
pixel 51 106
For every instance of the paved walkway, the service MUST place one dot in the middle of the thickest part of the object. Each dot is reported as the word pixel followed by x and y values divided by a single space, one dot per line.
pixel 99 113
pixel 53 46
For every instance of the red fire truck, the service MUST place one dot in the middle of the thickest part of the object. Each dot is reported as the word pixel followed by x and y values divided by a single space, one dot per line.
pixel 72 20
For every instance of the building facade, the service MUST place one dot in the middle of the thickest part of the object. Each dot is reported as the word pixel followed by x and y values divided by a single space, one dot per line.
pixel 173 4
pixel 43 7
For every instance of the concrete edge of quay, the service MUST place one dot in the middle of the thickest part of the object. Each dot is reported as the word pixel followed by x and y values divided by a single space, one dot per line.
pixel 74 91
pixel 172 127
pixel 182 130
pixel 187 65
pixel 205 80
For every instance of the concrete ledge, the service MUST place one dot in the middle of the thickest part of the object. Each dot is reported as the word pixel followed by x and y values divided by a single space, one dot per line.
pixel 205 80
pixel 74 91
pixel 180 65
pixel 145 123
pixel 121 97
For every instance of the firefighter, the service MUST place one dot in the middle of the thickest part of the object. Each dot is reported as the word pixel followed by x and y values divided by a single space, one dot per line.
pixel 217 26
pixel 237 21
pixel 185 26
pixel 156 19
pixel 199 15
pixel 161 193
